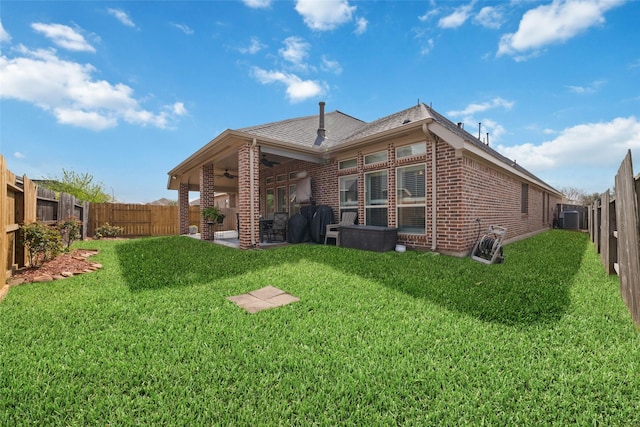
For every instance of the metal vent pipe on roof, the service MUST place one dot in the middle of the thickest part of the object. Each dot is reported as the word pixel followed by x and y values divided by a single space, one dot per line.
pixel 321 129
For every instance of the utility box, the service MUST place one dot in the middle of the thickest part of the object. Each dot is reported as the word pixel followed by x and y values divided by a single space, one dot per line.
pixel 571 220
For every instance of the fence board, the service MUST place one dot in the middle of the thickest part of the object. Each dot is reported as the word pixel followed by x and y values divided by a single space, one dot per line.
pixel 608 241
pixel 4 244
pixel 628 239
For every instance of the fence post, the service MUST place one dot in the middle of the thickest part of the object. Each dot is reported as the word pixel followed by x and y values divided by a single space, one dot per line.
pixel 628 239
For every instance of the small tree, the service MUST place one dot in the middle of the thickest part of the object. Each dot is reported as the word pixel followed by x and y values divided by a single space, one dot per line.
pixel 69 230
pixel 41 241
pixel 81 186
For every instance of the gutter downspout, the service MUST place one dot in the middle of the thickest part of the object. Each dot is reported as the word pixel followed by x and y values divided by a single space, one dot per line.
pixel 434 190
pixel 251 191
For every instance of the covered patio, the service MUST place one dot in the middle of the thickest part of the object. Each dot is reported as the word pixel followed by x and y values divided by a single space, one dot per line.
pixel 265 169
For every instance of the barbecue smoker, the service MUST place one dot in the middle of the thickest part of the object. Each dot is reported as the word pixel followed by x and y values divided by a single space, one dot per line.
pixel 488 249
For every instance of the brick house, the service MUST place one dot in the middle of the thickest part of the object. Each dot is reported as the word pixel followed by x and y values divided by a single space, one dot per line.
pixel 414 170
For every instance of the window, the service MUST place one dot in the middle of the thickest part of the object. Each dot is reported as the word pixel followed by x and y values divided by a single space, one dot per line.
pixel 411 199
pixel 294 207
pixel 269 203
pixel 270 180
pixel 281 199
pixel 524 199
pixel 348 164
pixel 411 150
pixel 378 157
pixel 348 194
pixel 281 178
pixel 376 198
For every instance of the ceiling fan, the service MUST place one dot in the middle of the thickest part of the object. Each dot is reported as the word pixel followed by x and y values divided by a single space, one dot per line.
pixel 227 175
pixel 268 163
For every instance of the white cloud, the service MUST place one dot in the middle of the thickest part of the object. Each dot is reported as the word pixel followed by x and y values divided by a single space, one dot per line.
pixel 179 109
pixel 426 47
pixel 331 66
pixel 257 4
pixel 324 15
pixel 297 89
pixel 493 128
pixel 428 15
pixel 255 47
pixel 591 88
pixel 489 17
pixel 457 18
pixel 554 23
pixel 602 144
pixel 4 36
pixel 296 51
pixel 121 16
pixel 184 28
pixel 19 155
pixel 478 108
pixel 68 90
pixel 64 36
pixel 361 26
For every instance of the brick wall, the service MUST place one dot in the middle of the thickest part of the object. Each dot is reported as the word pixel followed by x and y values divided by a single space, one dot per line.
pixel 466 188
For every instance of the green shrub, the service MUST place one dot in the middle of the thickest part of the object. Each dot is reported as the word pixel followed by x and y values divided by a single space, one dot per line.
pixel 69 230
pixel 107 230
pixel 41 242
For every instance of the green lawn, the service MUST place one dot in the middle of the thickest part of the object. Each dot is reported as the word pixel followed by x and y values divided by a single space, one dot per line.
pixel 376 339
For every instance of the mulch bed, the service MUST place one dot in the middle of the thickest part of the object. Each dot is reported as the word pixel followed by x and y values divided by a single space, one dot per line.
pixel 65 265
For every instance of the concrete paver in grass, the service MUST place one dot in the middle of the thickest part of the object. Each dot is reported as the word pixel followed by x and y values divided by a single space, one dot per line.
pixel 263 299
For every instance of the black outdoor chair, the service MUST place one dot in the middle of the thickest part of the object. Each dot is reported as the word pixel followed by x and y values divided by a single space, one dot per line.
pixel 279 227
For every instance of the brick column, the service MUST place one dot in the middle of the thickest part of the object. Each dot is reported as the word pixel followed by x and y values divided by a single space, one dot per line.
pixel 361 204
pixel 183 209
pixel 248 198
pixel 207 198
pixel 391 183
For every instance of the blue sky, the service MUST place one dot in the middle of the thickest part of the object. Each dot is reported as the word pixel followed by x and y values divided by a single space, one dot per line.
pixel 127 90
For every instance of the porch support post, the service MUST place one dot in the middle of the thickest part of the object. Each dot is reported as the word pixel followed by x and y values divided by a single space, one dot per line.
pixel 207 198
pixel 183 209
pixel 249 195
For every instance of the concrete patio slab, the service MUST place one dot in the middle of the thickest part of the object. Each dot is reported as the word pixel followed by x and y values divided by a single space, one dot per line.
pixel 263 299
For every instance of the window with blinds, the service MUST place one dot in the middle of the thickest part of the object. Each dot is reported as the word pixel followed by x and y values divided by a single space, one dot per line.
pixel 376 198
pixel 411 199
pixel 270 203
pixel 411 150
pixel 281 199
pixel 348 193
pixel 294 207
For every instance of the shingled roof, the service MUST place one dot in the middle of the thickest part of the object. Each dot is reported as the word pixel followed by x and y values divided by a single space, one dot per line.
pixel 304 130
pixel 342 128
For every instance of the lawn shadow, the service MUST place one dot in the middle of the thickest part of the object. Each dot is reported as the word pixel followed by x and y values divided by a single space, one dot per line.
pixel 532 286
pixel 174 261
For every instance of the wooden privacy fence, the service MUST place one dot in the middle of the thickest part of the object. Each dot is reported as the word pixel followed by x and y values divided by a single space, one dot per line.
pixel 148 220
pixel 614 228
pixel 53 207
pixel 18 200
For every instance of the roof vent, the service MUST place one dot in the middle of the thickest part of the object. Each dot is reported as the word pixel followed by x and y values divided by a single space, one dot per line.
pixel 322 132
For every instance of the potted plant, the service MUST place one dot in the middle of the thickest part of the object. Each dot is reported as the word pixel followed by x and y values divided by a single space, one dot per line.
pixel 212 214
